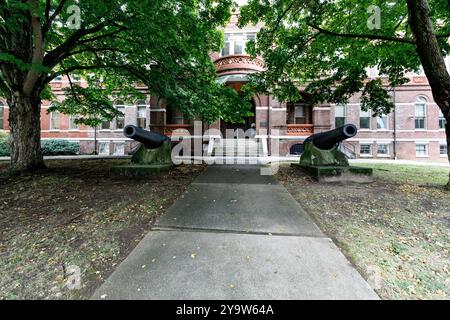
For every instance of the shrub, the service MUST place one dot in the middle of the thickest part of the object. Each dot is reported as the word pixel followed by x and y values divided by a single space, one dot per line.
pixel 59 148
pixel 4 144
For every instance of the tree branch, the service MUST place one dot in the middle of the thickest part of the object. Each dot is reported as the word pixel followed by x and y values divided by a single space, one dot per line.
pixel 54 57
pixel 38 52
pixel 49 21
pixel 362 36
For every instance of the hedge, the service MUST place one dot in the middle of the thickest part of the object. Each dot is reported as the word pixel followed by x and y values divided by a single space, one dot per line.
pixel 59 148
pixel 49 147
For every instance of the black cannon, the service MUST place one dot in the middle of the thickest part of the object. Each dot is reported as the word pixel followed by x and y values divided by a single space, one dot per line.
pixel 155 149
pixel 323 159
pixel 321 149
pixel 151 140
pixel 328 140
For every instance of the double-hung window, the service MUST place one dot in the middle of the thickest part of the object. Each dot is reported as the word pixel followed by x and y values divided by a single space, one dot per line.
pixel 235 43
pixel 420 114
pixel 364 120
pixel 442 121
pixel 339 115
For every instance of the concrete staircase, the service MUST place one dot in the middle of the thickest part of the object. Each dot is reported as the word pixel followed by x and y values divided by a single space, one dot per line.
pixel 239 148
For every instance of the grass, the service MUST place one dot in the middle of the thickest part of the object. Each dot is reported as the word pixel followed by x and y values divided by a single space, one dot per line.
pixel 396 230
pixel 74 217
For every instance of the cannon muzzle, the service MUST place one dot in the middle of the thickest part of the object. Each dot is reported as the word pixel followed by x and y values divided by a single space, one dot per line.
pixel 328 140
pixel 151 140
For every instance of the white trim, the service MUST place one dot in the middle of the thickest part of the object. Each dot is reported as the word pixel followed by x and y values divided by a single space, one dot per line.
pixel 271 108
pixel 399 104
pixel 321 108
pixel 289 137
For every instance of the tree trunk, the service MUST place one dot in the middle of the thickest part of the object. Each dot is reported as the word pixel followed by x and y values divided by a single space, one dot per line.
pixel 447 132
pixel 430 54
pixel 25 125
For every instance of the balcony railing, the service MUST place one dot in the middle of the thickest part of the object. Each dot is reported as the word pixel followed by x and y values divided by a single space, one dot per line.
pixel 300 129
pixel 177 130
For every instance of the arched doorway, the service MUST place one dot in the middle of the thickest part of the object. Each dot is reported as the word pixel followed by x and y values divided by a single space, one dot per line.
pixel 239 128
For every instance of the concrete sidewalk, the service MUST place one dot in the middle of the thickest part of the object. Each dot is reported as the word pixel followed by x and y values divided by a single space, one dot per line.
pixel 235 235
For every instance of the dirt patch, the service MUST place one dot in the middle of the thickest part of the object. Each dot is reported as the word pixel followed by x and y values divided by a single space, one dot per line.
pixel 395 230
pixel 72 218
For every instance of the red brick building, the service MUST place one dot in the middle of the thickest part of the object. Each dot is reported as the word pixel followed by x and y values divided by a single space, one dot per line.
pixel 414 131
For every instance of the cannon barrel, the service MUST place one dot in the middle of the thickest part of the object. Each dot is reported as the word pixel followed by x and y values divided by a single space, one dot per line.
pixel 151 140
pixel 327 140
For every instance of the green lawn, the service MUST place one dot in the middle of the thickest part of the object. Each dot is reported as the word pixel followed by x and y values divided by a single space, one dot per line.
pixel 396 230
pixel 421 175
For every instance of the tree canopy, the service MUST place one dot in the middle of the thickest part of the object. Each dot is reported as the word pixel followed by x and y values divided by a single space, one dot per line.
pixel 328 47
pixel 114 44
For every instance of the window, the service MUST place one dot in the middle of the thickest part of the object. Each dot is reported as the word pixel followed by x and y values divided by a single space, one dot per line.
pixel 119 149
pixel 72 124
pixel 57 79
pixel 141 114
pixel 103 148
pixel 120 119
pixel 2 108
pixel 54 120
pixel 364 120
pixel 382 122
pixel 420 113
pixel 421 150
pixel 382 149
pixel 235 43
pixel 339 116
pixel 106 125
pixel 442 121
pixel 300 115
pixel 365 149
pixel 443 150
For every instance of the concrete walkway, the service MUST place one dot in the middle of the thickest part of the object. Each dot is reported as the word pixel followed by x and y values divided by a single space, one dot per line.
pixel 235 234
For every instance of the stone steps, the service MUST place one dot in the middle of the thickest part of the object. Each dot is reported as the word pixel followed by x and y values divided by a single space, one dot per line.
pixel 238 148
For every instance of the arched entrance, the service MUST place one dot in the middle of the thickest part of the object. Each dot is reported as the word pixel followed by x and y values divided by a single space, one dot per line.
pixel 239 128
pixel 233 70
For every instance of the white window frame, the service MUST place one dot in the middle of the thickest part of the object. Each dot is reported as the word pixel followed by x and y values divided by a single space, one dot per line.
pixel 421 101
pixel 2 115
pixel 335 113
pixel 383 155
pixel 52 118
pixel 116 144
pixel 107 149
pixel 370 119
pixel 426 155
pixel 381 119
pixel 72 125
pixel 231 38
pixel 441 118
pixel 367 155
pixel 302 114
pixel 140 106
pixel 443 155
pixel 120 105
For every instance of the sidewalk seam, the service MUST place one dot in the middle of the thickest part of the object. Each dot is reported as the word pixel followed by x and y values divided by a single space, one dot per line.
pixel 255 233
